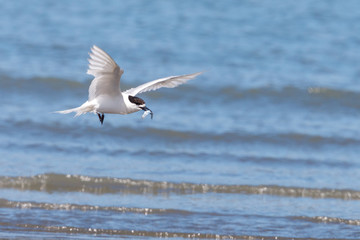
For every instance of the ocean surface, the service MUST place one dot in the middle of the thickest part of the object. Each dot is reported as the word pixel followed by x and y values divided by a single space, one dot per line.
pixel 265 144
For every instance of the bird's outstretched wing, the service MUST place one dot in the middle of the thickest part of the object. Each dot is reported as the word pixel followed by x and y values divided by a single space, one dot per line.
pixel 168 82
pixel 106 72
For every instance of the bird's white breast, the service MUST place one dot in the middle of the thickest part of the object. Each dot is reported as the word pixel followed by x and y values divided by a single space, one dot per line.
pixel 112 104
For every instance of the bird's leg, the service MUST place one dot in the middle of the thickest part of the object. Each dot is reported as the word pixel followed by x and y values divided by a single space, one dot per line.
pixel 101 118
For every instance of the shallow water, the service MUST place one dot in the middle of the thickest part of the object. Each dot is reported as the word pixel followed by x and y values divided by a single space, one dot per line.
pixel 263 145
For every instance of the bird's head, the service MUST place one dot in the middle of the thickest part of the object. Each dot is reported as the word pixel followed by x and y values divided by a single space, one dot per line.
pixel 139 104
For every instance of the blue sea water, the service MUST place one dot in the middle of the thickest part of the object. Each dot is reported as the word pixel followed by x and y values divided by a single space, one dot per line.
pixel 263 145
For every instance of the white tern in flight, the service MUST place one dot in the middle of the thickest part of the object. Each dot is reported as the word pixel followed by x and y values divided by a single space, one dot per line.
pixel 105 95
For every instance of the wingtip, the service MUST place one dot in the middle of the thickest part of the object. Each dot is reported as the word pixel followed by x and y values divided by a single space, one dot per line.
pixel 91 52
pixel 93 49
pixel 198 73
pixel 193 75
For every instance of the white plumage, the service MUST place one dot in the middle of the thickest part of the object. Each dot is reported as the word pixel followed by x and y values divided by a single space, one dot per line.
pixel 105 95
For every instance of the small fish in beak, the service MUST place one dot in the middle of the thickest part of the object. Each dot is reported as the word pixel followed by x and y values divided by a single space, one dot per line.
pixel 146 112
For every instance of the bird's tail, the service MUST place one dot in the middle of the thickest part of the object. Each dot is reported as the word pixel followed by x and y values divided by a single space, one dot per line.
pixel 85 108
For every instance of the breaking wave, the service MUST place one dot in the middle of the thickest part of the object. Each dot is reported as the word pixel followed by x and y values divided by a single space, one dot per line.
pixel 324 219
pixel 107 185
pixel 27 227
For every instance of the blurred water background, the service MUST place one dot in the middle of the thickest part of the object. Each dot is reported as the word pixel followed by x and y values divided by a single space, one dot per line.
pixel 264 144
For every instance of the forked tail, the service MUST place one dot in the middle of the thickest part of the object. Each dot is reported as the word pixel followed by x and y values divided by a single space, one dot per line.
pixel 85 108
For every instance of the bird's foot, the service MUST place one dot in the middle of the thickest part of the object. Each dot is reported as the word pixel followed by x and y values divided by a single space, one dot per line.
pixel 101 118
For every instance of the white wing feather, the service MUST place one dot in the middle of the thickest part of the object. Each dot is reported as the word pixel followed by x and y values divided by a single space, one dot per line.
pixel 168 82
pixel 106 72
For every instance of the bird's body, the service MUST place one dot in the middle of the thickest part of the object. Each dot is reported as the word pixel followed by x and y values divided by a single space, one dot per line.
pixel 105 95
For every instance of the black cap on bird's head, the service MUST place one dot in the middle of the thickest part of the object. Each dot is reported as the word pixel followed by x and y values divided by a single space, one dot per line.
pixel 140 103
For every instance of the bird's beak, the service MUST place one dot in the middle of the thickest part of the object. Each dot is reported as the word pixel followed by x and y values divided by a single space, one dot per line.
pixel 147 109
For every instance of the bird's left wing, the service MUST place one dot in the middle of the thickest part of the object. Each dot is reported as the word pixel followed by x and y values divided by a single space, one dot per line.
pixel 106 72
pixel 168 82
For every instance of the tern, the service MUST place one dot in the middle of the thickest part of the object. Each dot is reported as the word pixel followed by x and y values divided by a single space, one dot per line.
pixel 105 95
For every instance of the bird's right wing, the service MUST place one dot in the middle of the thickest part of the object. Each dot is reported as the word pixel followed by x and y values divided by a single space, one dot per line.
pixel 168 82
pixel 106 72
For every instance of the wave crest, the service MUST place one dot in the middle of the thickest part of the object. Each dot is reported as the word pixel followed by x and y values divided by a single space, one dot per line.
pixel 107 185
